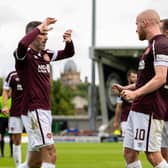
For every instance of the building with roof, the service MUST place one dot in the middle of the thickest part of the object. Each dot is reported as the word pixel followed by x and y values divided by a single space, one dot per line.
pixel 70 76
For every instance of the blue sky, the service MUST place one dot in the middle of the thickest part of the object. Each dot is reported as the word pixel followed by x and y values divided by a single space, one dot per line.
pixel 115 26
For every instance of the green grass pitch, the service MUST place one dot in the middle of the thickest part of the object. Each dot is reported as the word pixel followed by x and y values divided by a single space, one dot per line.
pixel 82 155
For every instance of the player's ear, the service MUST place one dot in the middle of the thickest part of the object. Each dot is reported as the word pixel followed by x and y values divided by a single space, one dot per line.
pixel 144 23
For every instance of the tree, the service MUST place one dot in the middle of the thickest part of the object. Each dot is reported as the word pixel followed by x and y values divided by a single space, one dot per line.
pixel 61 97
pixel 81 90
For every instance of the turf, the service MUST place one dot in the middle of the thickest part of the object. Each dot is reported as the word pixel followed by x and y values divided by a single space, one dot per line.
pixel 82 155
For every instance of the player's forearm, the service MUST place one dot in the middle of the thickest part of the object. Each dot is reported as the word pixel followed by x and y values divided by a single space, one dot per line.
pixel 26 41
pixel 129 87
pixel 118 111
pixel 117 116
pixel 5 96
pixel 154 84
pixel 68 51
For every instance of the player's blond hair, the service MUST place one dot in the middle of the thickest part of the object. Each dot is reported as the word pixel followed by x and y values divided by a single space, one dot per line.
pixel 149 15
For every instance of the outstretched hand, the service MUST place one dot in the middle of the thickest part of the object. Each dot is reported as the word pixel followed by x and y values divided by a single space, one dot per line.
pixel 117 88
pixel 67 35
pixel 44 26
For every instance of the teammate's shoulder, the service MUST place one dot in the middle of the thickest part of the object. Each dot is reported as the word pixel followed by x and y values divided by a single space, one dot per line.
pixel 161 44
pixel 163 40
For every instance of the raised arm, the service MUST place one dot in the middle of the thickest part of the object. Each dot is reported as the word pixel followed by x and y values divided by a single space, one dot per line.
pixel 25 42
pixel 33 29
pixel 69 47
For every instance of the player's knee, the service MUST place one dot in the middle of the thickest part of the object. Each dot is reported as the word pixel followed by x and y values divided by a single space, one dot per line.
pixel 127 154
pixel 164 152
pixel 35 159
pixel 16 138
pixel 17 142
pixel 34 164
pixel 54 157
pixel 130 155
pixel 52 153
pixel 150 157
pixel 154 157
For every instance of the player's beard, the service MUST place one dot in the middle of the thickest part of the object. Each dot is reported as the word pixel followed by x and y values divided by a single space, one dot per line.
pixel 142 35
pixel 39 45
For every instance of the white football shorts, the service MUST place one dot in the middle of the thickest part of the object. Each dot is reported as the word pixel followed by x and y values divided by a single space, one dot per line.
pixel 123 127
pixel 165 135
pixel 143 133
pixel 15 125
pixel 38 127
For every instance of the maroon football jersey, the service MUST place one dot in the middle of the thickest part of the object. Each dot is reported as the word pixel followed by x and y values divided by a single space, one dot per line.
pixel 13 82
pixel 34 71
pixel 126 106
pixel 156 54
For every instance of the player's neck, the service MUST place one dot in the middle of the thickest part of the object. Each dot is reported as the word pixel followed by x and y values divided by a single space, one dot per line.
pixel 153 32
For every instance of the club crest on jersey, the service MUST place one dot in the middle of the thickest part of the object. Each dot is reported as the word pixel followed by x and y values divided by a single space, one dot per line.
pixel 49 135
pixel 44 68
pixel 17 79
pixel 19 87
pixel 141 65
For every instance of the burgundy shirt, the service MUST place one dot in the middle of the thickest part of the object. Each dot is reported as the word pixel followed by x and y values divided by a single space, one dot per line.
pixel 13 82
pixel 126 106
pixel 156 54
pixel 34 71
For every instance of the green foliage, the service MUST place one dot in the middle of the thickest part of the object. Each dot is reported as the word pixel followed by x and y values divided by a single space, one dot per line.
pixel 81 90
pixel 61 97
